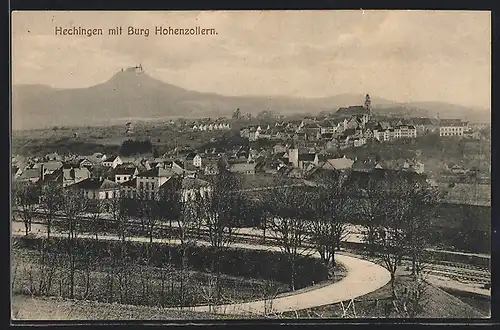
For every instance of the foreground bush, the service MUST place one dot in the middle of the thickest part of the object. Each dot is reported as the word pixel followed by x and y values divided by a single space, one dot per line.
pixel 234 262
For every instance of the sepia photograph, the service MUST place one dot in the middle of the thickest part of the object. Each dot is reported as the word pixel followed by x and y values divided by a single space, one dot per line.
pixel 246 165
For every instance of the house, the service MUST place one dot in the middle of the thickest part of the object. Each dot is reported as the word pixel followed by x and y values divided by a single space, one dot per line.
pixel 344 141
pixel 279 148
pixel 243 168
pixel 83 162
pixel 342 163
pixel 312 130
pixel 149 182
pixel 423 125
pixel 72 175
pixel 112 161
pixel 124 174
pixel 197 161
pixel 368 134
pixel 353 123
pixel 452 127
pixel 95 188
pixel 358 142
pixel 405 132
pixel 306 159
pixel 53 157
pixel 327 128
pixel 49 167
pixel 31 175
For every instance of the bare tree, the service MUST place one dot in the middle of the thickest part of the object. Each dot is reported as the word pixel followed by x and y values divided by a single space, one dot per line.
pixel 330 210
pixel 25 198
pixel 370 191
pixel 95 208
pixel 73 207
pixel 219 209
pixel 219 212
pixel 117 208
pixel 288 208
pixel 422 203
pixel 51 200
pixel 406 223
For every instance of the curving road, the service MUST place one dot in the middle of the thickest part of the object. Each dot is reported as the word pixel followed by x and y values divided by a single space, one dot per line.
pixel 362 278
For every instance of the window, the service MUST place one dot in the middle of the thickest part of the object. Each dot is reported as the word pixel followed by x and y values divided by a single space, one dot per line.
pixel 106 195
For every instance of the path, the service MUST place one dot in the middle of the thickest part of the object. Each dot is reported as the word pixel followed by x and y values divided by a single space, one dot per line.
pixel 362 278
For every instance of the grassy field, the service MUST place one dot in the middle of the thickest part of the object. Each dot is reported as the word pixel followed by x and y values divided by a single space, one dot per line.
pixel 53 308
pixel 87 140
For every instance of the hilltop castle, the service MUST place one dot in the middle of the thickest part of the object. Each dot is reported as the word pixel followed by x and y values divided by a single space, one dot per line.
pixel 136 69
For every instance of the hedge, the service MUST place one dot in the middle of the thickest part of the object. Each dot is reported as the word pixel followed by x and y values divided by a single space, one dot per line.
pixel 233 261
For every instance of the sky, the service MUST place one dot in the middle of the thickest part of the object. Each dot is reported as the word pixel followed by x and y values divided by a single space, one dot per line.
pixel 400 55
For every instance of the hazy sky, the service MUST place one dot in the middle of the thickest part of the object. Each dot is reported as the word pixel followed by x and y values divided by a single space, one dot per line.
pixel 400 55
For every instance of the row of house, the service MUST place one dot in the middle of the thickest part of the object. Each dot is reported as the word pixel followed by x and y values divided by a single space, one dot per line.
pixel 349 132
pixel 216 126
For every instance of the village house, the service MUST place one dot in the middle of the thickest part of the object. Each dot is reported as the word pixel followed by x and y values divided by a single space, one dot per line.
pixel 312 130
pixel 31 175
pixel 342 163
pixel 96 158
pixel 423 125
pixel 307 159
pixel 243 168
pixel 124 174
pixel 149 182
pixel 53 157
pixel 327 128
pixel 71 175
pixel 112 161
pixel 49 167
pixel 95 188
pixel 415 165
pixel 358 141
pixel 405 132
pixel 197 161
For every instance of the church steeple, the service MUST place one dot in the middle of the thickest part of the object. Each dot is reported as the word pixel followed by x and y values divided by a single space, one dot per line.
pixel 368 104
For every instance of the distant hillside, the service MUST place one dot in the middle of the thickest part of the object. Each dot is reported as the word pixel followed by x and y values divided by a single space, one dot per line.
pixel 129 95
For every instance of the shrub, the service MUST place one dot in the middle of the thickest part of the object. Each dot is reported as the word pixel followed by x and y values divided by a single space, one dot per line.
pixel 233 261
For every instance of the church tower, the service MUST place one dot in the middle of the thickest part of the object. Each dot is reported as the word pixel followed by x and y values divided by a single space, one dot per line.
pixel 368 104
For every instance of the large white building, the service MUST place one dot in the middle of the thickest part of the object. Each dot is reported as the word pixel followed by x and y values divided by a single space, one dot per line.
pixel 452 127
